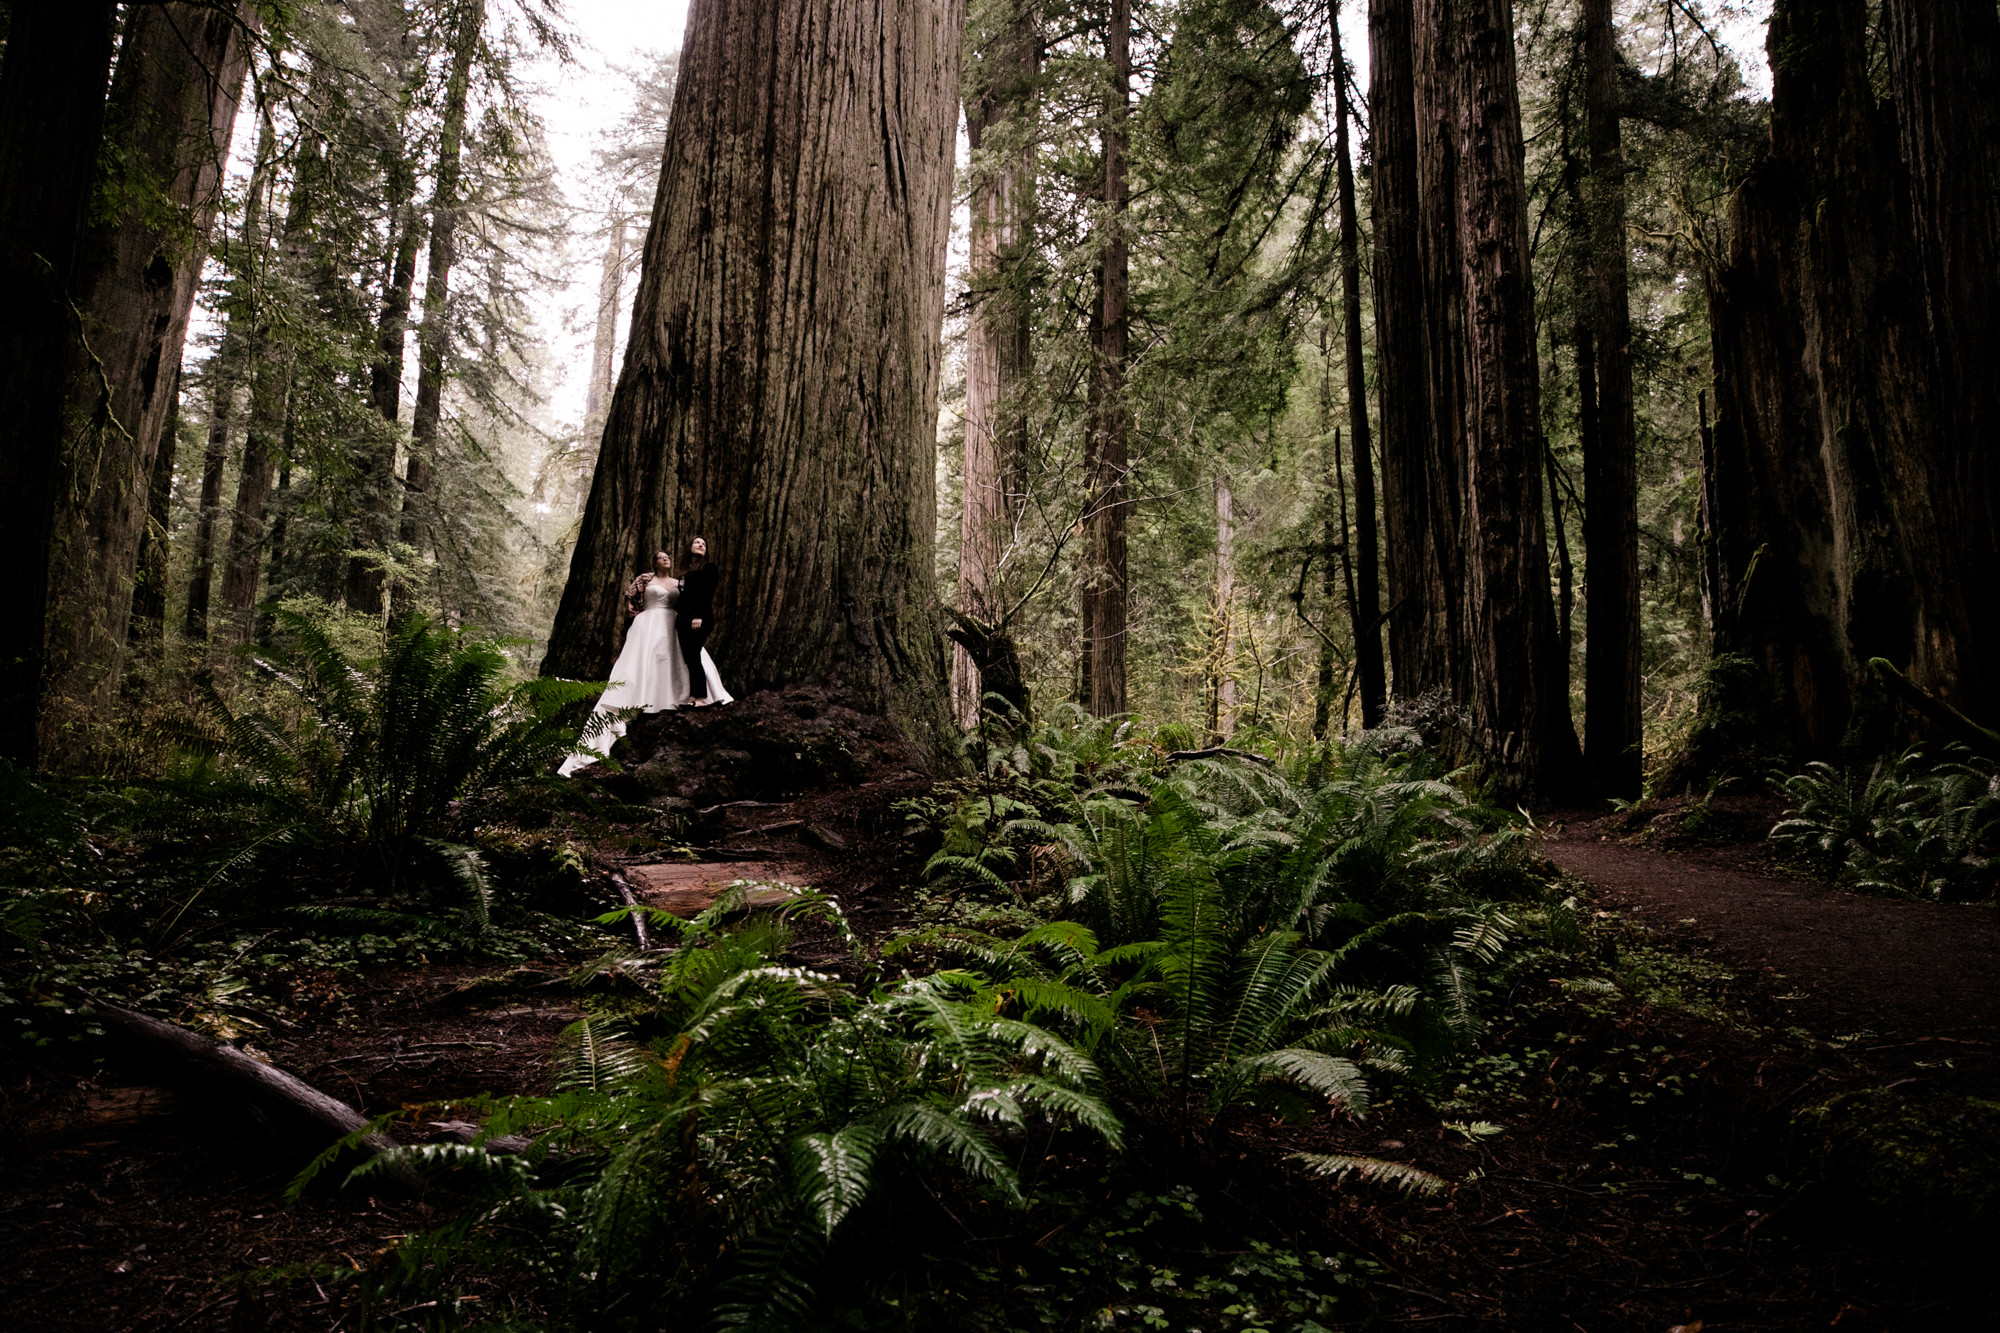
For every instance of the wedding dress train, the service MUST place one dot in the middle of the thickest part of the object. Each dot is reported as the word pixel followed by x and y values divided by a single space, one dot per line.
pixel 649 676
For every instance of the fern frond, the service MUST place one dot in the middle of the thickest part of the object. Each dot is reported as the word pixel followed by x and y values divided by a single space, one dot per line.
pixel 1375 1171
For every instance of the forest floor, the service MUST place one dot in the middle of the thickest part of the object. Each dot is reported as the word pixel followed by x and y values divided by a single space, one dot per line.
pixel 1773 1112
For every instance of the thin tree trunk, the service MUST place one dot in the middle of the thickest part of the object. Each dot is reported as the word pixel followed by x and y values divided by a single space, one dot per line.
pixel 1408 503
pixel 171 116
pixel 226 373
pixel 1610 470
pixel 366 578
pixel 51 121
pixel 604 348
pixel 1367 578
pixel 1003 56
pixel 434 338
pixel 1110 426
pixel 1333 536
pixel 146 634
pixel 778 396
pixel 1222 632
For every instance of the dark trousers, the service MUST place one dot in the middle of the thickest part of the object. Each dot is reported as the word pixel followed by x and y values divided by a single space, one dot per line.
pixel 691 644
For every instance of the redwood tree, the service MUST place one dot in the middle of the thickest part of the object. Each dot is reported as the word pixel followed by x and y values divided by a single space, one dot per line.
pixel 172 113
pixel 1612 732
pixel 779 393
pixel 51 122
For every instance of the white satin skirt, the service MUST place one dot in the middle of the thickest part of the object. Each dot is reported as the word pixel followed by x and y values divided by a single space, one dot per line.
pixel 649 676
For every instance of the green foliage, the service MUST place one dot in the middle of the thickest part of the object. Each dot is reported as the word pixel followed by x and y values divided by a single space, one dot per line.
pixel 1910 825
pixel 714 1166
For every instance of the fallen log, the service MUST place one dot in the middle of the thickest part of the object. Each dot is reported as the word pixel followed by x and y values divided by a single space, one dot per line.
pixel 306 1115
pixel 1220 752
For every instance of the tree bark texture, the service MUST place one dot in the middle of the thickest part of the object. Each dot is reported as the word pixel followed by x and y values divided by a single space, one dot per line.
pixel 1002 59
pixel 1108 461
pixel 1462 444
pixel 1613 736
pixel 146 633
pixel 1415 567
pixel 1944 63
pixel 604 347
pixel 434 338
pixel 171 115
pixel 51 122
pixel 779 392
pixel 1367 546
pixel 1830 544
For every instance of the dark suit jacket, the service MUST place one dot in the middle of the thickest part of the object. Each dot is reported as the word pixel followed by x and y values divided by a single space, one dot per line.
pixel 698 594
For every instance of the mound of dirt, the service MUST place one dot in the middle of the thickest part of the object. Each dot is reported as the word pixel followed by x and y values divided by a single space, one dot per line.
pixel 770 746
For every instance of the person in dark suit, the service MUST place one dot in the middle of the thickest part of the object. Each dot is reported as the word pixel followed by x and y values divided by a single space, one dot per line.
pixel 697 616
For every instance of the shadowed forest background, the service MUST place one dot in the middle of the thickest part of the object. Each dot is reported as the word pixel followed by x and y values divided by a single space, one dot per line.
pixel 1322 598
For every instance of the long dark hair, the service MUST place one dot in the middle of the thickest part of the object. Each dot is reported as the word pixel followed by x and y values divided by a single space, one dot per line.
pixel 694 559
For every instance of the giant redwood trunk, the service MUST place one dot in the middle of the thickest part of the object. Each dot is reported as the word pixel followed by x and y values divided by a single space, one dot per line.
pixel 1471 613
pixel 779 391
pixel 1831 504
pixel 1612 734
pixel 1003 54
pixel 1944 62
pixel 1519 697
pixel 172 112
pixel 51 121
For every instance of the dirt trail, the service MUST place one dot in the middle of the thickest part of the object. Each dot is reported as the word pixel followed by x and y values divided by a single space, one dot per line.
pixel 1843 962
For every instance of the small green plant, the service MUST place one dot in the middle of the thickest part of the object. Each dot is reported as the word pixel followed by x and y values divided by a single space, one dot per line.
pixel 1908 825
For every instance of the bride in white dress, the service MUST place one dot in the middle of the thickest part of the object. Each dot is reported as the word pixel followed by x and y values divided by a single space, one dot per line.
pixel 650 674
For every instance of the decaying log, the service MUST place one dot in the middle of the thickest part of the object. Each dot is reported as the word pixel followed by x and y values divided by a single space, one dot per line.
pixel 1220 752
pixel 290 1103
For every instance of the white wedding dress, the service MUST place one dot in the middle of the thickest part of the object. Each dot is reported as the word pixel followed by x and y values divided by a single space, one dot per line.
pixel 649 675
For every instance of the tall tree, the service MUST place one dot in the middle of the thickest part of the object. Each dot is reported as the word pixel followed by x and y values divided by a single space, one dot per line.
pixel 434 338
pixel 1612 734
pixel 1421 543
pixel 1366 559
pixel 778 396
pixel 51 122
pixel 1108 457
pixel 171 115
pixel 1831 476
pixel 1002 56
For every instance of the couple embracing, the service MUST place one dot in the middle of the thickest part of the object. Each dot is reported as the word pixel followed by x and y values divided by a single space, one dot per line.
pixel 664 664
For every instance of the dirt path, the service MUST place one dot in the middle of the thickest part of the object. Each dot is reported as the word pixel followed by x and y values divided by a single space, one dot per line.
pixel 1842 962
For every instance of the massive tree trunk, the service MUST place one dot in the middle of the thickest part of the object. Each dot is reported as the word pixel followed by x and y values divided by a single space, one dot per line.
pixel 779 393
pixel 51 121
pixel 171 116
pixel 1610 469
pixel 1944 63
pixel 1367 609
pixel 1469 573
pixel 1520 679
pixel 1826 448
pixel 434 338
pixel 1003 56
pixel 1107 462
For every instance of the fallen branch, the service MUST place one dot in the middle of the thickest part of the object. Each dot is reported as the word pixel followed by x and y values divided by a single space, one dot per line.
pixel 1219 752
pixel 1983 740
pixel 778 827
pixel 314 1118
pixel 638 918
